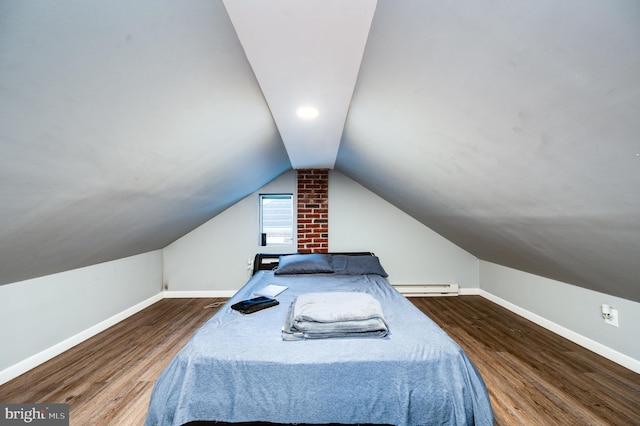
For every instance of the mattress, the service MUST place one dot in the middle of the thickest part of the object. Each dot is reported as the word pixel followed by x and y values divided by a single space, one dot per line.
pixel 238 368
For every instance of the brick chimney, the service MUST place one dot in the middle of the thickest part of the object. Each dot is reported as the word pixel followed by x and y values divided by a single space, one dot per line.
pixel 313 210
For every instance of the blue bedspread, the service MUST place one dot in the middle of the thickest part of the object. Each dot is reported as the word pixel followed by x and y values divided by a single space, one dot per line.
pixel 237 368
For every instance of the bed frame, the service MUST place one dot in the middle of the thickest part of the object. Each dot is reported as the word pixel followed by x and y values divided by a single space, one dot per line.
pixel 269 261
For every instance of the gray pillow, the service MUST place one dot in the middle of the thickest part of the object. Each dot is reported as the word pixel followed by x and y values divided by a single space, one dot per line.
pixel 358 265
pixel 314 263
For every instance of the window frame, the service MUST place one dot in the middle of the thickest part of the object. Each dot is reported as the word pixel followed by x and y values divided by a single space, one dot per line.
pixel 275 195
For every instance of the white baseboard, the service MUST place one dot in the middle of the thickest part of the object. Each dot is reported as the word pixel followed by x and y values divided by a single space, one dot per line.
pixel 55 350
pixel 197 294
pixel 33 361
pixel 605 351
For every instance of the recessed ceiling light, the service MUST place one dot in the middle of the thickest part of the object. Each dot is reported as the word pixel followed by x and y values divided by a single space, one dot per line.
pixel 307 112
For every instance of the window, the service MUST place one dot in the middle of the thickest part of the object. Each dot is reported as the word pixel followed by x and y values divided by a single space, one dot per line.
pixel 276 219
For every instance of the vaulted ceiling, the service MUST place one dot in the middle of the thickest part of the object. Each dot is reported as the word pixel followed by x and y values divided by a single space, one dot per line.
pixel 512 128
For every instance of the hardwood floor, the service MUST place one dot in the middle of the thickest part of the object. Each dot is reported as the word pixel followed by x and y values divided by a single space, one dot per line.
pixel 107 380
pixel 534 377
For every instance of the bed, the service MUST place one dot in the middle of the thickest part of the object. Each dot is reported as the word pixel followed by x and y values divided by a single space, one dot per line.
pixel 238 368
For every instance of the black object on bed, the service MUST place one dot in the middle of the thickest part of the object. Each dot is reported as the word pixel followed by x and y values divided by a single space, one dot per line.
pixel 255 304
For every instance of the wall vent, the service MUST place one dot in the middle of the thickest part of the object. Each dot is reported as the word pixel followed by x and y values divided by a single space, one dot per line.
pixel 426 290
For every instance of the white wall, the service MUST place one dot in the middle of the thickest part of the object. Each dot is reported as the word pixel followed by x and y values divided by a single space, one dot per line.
pixel 571 311
pixel 213 257
pixel 42 313
pixel 42 317
pixel 410 252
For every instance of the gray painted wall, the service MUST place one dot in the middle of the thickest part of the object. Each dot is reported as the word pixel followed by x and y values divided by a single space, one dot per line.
pixel 214 256
pixel 567 306
pixel 40 313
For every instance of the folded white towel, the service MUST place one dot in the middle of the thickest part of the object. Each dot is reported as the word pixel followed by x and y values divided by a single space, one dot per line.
pixel 334 314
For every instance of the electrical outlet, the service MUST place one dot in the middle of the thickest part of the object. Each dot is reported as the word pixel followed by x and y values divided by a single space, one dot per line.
pixel 613 317
pixel 249 266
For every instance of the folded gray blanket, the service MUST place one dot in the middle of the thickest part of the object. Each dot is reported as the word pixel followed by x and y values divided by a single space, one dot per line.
pixel 334 314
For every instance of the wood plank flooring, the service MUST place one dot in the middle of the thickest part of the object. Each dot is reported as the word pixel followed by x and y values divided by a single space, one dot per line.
pixel 107 380
pixel 534 377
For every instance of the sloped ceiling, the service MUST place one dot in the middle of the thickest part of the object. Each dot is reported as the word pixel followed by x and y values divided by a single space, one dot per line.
pixel 123 125
pixel 305 54
pixel 512 128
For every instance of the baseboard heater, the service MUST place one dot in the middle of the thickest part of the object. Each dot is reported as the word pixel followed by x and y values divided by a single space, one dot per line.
pixel 426 290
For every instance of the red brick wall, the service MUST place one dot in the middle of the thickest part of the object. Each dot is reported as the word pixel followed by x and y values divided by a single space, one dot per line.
pixel 313 210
